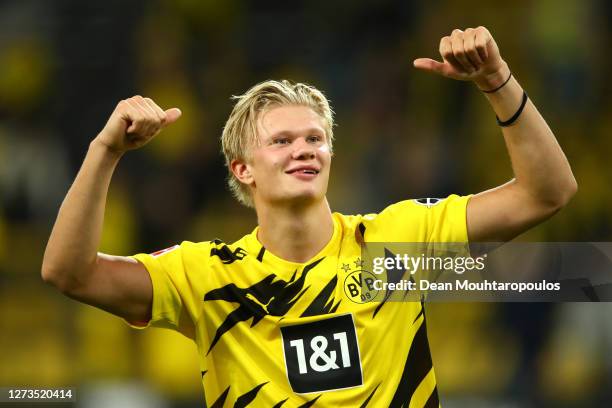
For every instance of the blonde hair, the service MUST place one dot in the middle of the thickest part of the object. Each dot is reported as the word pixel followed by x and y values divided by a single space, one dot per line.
pixel 240 130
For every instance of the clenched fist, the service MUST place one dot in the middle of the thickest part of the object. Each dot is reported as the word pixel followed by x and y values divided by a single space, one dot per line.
pixel 470 55
pixel 134 122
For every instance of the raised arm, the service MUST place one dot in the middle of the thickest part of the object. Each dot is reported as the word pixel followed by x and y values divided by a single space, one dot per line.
pixel 71 262
pixel 543 182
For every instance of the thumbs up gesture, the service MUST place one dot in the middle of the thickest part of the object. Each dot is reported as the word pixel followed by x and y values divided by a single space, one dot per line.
pixel 134 122
pixel 470 55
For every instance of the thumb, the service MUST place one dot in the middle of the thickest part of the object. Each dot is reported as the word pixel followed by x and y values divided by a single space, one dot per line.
pixel 172 115
pixel 429 65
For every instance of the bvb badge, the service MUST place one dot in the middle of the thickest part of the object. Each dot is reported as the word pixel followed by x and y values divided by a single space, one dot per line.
pixel 359 283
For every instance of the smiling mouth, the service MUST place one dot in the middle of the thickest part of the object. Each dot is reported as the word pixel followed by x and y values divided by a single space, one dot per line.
pixel 303 171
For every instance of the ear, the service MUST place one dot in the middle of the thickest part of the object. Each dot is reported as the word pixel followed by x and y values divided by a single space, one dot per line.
pixel 242 171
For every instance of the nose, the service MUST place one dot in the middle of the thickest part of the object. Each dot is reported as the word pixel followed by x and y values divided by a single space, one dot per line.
pixel 303 150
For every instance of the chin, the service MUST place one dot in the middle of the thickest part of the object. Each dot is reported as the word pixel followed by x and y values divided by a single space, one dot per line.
pixel 303 197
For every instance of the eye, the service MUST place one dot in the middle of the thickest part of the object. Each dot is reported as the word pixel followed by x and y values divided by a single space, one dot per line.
pixel 314 139
pixel 281 141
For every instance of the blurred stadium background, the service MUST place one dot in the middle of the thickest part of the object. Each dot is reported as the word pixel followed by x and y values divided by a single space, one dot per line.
pixel 401 133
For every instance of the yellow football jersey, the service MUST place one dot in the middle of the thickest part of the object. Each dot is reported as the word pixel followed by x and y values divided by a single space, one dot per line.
pixel 274 333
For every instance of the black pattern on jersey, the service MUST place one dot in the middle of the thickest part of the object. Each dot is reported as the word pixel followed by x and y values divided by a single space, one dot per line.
pixel 433 401
pixel 421 313
pixel 242 401
pixel 324 302
pixel 309 403
pixel 225 253
pixel 367 401
pixel 393 276
pixel 246 399
pixel 221 400
pixel 306 405
pixel 261 253
pixel 280 403
pixel 360 234
pixel 266 297
pixel 418 365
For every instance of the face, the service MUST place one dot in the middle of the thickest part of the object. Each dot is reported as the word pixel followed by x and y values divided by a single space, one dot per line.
pixel 291 163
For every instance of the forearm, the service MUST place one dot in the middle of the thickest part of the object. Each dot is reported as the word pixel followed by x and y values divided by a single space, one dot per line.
pixel 543 179
pixel 72 248
pixel 540 166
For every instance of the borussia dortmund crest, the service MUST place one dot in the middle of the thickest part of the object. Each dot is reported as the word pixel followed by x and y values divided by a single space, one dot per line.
pixel 359 283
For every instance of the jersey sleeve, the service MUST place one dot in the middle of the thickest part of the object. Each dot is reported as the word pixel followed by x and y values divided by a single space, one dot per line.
pixel 435 228
pixel 174 272
pixel 427 220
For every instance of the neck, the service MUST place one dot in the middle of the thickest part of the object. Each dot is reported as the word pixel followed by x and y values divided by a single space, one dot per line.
pixel 295 234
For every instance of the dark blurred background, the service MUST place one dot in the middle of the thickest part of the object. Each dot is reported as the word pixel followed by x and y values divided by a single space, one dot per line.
pixel 400 134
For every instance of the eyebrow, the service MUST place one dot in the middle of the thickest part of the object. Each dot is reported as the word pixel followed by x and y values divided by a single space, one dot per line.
pixel 292 133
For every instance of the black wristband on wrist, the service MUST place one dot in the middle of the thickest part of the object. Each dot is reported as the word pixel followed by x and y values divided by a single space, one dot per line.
pixel 499 87
pixel 516 115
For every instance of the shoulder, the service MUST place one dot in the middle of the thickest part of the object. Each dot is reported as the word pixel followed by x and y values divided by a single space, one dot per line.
pixel 189 251
pixel 416 207
pixel 412 219
pixel 422 207
pixel 218 249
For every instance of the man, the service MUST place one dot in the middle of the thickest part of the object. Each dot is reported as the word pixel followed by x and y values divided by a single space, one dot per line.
pixel 269 314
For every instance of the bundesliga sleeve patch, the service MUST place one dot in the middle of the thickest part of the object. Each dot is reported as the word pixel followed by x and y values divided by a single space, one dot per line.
pixel 164 251
pixel 322 355
pixel 428 202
